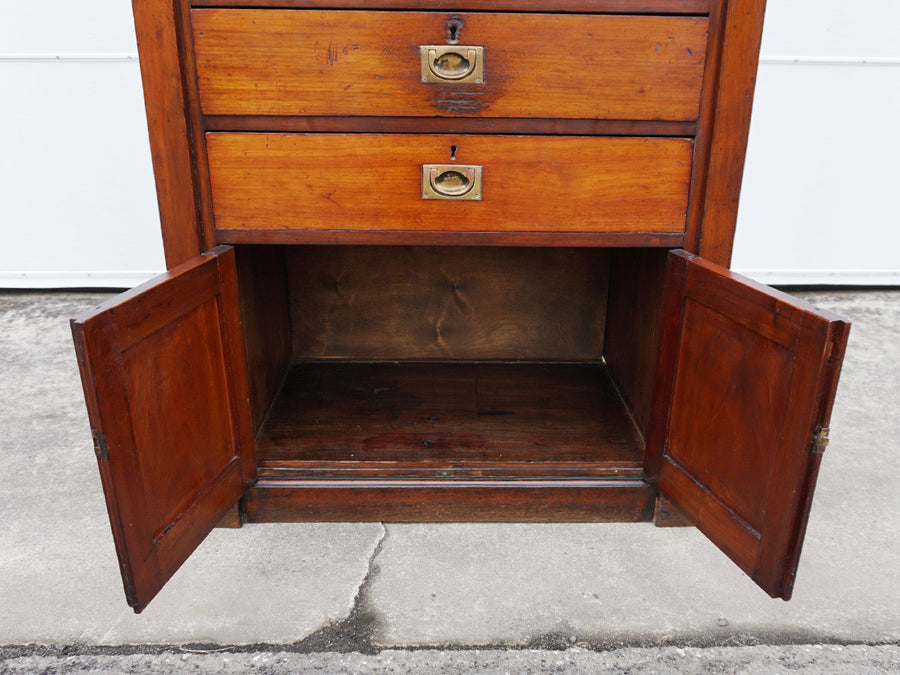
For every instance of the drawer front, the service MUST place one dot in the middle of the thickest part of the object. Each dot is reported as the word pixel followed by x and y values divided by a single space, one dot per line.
pixel 364 182
pixel 296 62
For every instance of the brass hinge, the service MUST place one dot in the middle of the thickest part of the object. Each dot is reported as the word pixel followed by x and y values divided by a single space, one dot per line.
pixel 820 440
pixel 100 447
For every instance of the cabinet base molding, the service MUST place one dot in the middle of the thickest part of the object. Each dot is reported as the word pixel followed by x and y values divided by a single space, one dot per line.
pixel 233 519
pixel 669 515
pixel 450 501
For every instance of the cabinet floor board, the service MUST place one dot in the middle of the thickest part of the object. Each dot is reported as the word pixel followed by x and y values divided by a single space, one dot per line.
pixel 498 417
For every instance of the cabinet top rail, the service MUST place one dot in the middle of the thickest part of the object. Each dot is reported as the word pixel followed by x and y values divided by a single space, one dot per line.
pixel 591 6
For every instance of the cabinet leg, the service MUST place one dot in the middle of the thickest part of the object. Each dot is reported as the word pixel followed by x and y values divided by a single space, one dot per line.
pixel 233 518
pixel 669 515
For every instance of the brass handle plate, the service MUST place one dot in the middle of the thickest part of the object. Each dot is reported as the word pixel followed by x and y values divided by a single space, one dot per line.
pixel 451 64
pixel 451 181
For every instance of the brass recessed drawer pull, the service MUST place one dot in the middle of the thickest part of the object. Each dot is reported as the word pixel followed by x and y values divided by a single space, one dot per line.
pixel 451 181
pixel 452 64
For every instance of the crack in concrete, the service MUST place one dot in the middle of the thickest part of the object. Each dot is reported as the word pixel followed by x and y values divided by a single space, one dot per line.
pixel 372 569
pixel 355 632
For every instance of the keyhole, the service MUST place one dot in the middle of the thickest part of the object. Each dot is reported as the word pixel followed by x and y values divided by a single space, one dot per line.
pixel 454 25
pixel 453 152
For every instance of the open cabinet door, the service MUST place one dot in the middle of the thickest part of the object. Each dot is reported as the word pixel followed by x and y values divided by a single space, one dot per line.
pixel 165 381
pixel 744 385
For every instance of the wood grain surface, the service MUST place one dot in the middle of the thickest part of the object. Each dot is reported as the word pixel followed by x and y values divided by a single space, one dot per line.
pixel 379 124
pixel 479 500
pixel 419 302
pixel 265 316
pixel 509 238
pixel 632 327
pixel 157 26
pixel 271 62
pixel 374 182
pixel 728 129
pixel 745 380
pixel 164 376
pixel 450 414
pixel 574 6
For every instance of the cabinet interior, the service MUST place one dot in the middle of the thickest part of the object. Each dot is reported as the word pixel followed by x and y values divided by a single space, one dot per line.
pixel 450 361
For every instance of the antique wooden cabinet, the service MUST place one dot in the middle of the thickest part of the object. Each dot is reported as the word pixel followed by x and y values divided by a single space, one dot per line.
pixel 453 261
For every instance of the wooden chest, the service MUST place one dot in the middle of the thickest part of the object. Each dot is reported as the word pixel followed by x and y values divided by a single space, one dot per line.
pixel 465 262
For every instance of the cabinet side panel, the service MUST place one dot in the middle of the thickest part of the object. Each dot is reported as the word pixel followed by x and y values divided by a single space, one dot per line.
pixel 739 56
pixel 265 314
pixel 419 302
pixel 170 135
pixel 632 328
pixel 703 135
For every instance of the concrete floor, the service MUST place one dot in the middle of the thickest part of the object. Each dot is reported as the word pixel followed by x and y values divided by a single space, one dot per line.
pixel 363 587
pixel 757 660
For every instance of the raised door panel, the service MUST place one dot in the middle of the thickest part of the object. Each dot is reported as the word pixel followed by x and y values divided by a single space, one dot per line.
pixel 745 383
pixel 164 375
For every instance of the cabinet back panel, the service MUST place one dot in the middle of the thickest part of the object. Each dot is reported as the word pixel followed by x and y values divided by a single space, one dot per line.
pixel 419 303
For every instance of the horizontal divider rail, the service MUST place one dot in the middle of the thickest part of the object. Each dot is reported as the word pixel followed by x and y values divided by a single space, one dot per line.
pixel 448 125
pixel 663 7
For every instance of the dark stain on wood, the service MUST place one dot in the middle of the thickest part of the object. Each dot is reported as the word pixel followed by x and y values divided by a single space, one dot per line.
pixel 445 442
pixel 450 413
